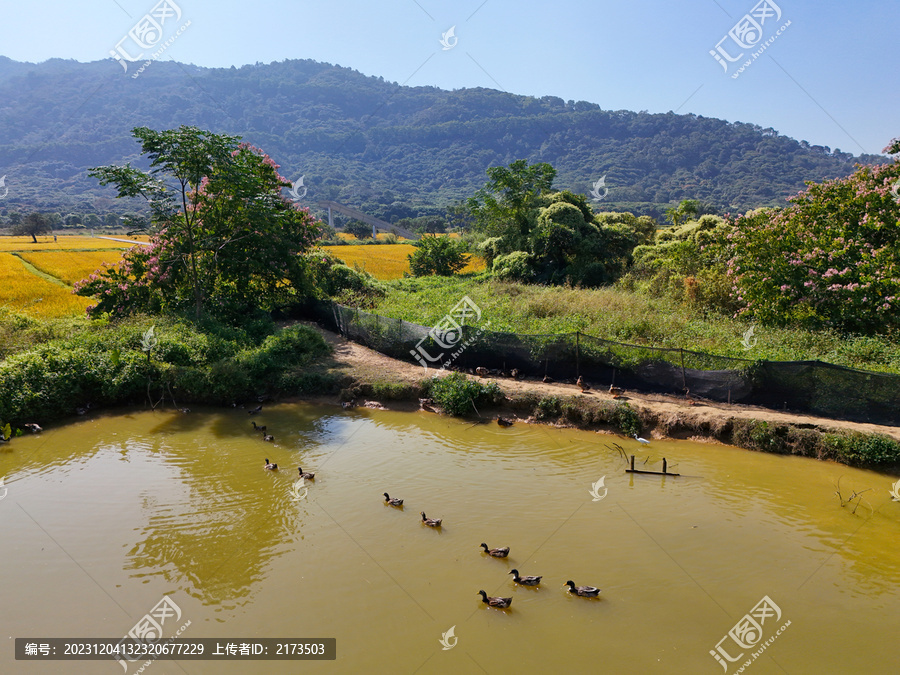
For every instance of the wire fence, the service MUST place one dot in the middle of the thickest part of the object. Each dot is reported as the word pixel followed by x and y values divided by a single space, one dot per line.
pixel 811 387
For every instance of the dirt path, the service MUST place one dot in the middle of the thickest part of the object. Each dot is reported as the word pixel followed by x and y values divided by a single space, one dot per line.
pixel 368 365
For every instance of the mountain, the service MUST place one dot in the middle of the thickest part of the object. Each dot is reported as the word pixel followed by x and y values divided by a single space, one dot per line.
pixel 391 150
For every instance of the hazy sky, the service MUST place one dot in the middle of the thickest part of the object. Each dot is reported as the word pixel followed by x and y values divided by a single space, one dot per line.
pixel 831 76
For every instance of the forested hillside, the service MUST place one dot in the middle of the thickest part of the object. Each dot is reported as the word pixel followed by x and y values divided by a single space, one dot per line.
pixel 391 150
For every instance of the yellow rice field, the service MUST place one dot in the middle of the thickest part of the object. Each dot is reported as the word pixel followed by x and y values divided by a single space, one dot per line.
pixel 71 266
pixel 386 261
pixel 381 236
pixel 64 243
pixel 22 291
pixel 72 258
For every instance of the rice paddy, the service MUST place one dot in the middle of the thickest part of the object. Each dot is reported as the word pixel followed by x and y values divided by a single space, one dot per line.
pixel 387 261
pixel 71 266
pixel 24 291
pixel 63 243
pixel 37 279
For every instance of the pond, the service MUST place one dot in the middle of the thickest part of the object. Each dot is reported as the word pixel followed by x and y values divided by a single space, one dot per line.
pixel 103 517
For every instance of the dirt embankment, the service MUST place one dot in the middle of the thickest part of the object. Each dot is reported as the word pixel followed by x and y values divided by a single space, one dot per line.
pixel 367 365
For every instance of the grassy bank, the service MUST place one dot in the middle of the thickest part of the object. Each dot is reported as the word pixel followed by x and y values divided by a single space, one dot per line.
pixel 847 447
pixel 620 315
pixel 51 369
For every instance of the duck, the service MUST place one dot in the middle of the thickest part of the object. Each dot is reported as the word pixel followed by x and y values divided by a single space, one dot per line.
pixel 482 371
pixel 269 466
pixel 347 405
pixel 393 501
pixel 306 474
pixel 496 552
pixel 616 391
pixel 184 411
pixel 32 427
pixel 257 427
pixel 547 379
pixel 431 522
pixel 255 411
pixel 525 581
pixel 499 603
pixel 583 591
pixel 581 383
pixel 269 438
pixel 514 373
pixel 503 422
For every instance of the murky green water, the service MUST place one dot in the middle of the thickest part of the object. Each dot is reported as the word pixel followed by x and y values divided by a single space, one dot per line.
pixel 103 517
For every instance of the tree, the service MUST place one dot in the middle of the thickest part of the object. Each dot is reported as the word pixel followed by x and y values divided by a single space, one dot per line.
pixel 829 260
pixel 686 210
pixel 92 220
pixel 507 205
pixel 358 229
pixel 438 255
pixel 32 225
pixel 460 216
pixel 226 240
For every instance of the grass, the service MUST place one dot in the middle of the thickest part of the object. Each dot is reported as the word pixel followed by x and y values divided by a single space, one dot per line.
pixel 623 316
pixel 387 261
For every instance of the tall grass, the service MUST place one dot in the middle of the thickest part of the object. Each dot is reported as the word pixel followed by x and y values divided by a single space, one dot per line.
pixel 624 316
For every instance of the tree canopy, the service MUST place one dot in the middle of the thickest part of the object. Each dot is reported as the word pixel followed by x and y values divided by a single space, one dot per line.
pixel 439 255
pixel 538 235
pixel 226 241
pixel 32 225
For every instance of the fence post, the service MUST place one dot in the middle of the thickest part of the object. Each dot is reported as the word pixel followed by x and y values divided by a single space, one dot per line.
pixel 683 378
pixel 577 355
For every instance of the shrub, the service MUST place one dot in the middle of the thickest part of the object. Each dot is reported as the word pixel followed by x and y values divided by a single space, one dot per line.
pixel 437 255
pixel 394 391
pixel 760 435
pixel 359 229
pixel 626 419
pixel 515 266
pixel 548 408
pixel 105 366
pixel 858 449
pixel 459 395
pixel 828 260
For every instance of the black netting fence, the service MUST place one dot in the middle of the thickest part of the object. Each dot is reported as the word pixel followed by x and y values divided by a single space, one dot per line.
pixel 799 386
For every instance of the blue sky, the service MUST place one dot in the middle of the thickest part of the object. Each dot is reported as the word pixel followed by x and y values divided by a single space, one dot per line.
pixel 831 77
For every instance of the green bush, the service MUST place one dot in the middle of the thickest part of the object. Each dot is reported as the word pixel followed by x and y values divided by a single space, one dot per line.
pixel 858 449
pixel 104 365
pixel 515 266
pixel 394 391
pixel 547 408
pixel 459 395
pixel 626 419
pixel 437 255
pixel 760 435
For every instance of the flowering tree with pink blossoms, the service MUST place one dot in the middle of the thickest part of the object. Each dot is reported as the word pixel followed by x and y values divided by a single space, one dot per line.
pixel 226 241
pixel 831 259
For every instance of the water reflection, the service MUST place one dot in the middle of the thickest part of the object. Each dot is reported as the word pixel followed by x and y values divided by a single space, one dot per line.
pixel 183 500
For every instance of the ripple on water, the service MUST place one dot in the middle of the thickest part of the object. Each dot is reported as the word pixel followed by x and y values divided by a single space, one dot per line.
pixel 154 503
